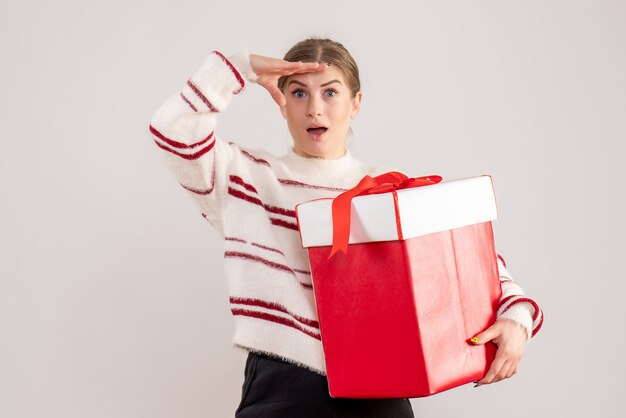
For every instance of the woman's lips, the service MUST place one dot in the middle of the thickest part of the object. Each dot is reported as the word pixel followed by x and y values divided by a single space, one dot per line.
pixel 317 133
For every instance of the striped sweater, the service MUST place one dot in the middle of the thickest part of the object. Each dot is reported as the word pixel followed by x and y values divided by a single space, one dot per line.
pixel 248 196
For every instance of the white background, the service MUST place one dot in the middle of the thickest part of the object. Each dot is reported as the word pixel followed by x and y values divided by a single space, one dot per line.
pixel 113 302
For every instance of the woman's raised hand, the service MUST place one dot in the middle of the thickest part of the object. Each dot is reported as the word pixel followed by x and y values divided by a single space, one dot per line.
pixel 269 70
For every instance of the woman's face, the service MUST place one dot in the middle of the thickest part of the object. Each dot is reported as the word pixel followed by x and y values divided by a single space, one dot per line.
pixel 319 99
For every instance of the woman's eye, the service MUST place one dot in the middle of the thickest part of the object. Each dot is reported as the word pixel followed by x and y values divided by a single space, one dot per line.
pixel 301 93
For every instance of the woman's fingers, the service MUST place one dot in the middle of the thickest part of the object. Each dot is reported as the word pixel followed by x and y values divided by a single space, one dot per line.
pixel 505 372
pixel 308 67
pixel 269 70
pixel 487 335
pixel 268 65
pixel 300 65
pixel 502 368
pixel 494 370
pixel 278 96
pixel 509 336
pixel 512 370
pixel 302 68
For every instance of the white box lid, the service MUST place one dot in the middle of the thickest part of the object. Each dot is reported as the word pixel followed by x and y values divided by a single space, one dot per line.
pixel 423 210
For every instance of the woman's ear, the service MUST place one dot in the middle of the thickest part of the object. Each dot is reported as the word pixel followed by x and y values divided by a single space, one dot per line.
pixel 356 104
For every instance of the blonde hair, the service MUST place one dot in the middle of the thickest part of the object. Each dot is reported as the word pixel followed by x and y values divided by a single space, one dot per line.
pixel 316 49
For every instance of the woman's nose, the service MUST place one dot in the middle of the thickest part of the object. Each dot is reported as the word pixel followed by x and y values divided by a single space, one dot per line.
pixel 314 108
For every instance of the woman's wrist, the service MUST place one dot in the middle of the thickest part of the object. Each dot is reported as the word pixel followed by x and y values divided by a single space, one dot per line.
pixel 522 313
pixel 241 61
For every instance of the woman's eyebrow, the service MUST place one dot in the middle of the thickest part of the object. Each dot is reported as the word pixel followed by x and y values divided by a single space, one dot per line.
pixel 321 85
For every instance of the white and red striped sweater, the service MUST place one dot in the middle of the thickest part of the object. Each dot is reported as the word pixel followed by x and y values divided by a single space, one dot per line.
pixel 249 196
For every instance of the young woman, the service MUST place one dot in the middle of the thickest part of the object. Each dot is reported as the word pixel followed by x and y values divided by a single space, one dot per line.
pixel 249 196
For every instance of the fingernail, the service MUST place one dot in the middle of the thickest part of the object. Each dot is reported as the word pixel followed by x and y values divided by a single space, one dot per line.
pixel 474 340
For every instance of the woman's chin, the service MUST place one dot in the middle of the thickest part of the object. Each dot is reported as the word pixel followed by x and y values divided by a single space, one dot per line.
pixel 317 149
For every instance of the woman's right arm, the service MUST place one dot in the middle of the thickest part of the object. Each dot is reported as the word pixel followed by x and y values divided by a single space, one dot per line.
pixel 183 127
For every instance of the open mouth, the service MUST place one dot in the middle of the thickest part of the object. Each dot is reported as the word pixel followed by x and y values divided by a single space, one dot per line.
pixel 317 133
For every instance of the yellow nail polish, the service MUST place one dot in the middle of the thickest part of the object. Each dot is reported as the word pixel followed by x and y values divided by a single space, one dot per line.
pixel 475 339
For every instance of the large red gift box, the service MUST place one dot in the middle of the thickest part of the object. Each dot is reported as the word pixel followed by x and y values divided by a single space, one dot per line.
pixel 404 273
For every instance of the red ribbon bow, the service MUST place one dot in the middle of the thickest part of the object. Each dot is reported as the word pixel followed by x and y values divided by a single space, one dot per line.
pixel 383 183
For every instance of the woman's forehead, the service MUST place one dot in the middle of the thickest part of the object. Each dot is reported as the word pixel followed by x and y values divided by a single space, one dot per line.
pixel 318 78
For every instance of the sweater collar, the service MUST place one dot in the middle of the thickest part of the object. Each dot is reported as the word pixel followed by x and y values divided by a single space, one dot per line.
pixel 318 168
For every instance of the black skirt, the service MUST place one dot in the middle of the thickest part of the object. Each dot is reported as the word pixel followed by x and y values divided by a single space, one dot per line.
pixel 273 388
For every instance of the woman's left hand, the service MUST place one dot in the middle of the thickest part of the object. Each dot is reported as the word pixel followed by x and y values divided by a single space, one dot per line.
pixel 510 337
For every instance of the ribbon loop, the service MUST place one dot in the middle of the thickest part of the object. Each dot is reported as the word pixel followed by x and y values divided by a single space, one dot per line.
pixel 383 183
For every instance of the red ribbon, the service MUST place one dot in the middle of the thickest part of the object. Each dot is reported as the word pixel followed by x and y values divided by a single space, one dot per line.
pixel 383 183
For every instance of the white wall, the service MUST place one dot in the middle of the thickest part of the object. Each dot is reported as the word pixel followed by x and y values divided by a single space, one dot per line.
pixel 112 298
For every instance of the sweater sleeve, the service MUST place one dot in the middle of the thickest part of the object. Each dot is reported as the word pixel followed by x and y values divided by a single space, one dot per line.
pixel 183 129
pixel 515 305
